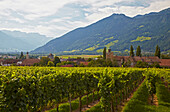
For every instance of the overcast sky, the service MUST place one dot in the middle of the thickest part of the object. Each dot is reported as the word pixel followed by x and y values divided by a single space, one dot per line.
pixel 57 17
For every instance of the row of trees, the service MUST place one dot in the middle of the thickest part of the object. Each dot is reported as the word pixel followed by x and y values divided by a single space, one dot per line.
pixel 138 51
pixel 45 61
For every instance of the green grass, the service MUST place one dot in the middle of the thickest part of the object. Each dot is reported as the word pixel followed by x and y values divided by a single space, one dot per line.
pixel 111 44
pixel 99 50
pixel 163 96
pixel 107 39
pixel 139 101
pixel 141 39
pixel 71 51
pixel 96 108
pixel 75 103
pixel 92 48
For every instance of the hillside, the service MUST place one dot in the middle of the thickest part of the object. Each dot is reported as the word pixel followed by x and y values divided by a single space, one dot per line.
pixel 12 41
pixel 117 32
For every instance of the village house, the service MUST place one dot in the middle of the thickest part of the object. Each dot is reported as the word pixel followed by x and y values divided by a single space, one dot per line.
pixel 165 63
pixel 9 62
pixel 51 56
pixel 133 60
pixel 29 62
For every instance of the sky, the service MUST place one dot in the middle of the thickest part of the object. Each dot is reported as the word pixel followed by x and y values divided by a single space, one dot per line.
pixel 54 18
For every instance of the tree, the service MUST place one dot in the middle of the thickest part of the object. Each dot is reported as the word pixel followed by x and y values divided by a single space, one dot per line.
pixel 56 60
pixel 21 56
pixel 131 51
pixel 50 64
pixel 138 51
pixel 157 51
pixel 44 61
pixel 89 59
pixel 104 53
pixel 141 64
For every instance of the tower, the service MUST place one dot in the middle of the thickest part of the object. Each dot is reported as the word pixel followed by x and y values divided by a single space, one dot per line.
pixel 27 56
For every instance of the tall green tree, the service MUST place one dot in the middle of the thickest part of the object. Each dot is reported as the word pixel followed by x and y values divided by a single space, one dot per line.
pixel 138 51
pixel 56 60
pixel 21 56
pixel 131 51
pixel 157 51
pixel 44 61
pixel 104 53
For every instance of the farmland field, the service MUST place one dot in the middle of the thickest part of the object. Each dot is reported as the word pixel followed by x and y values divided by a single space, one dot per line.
pixel 31 89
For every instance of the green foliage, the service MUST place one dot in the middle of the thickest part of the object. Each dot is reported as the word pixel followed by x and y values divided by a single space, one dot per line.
pixel 44 61
pixel 127 63
pixel 104 53
pixel 157 51
pixel 138 51
pixel 141 64
pixel 131 51
pixel 163 96
pixel 89 59
pixel 138 103
pixel 56 60
pixel 35 88
pixel 155 65
pixel 21 56
pixel 103 63
pixel 151 79
pixel 50 64
pixel 165 56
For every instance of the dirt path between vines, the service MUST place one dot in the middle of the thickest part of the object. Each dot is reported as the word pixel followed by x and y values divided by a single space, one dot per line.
pixel 155 100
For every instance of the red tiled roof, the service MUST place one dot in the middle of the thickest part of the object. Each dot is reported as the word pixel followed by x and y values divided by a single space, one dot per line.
pixel 66 66
pixel 10 61
pixel 29 62
pixel 164 62
pixel 1 60
pixel 84 63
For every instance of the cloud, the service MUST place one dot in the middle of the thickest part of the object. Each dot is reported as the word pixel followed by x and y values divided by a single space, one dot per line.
pixel 56 17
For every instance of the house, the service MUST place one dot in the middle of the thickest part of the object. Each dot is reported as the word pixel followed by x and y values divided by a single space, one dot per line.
pixel 1 62
pixel 84 63
pixel 51 56
pixel 133 60
pixel 9 62
pixel 70 65
pixel 165 63
pixel 29 62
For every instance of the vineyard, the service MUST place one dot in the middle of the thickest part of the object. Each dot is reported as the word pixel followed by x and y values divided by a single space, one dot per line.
pixel 33 89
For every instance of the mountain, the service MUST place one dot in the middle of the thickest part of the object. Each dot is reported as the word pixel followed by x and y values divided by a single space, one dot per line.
pixel 12 41
pixel 117 32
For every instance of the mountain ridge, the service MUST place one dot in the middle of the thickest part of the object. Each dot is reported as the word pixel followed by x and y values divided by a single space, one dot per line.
pixel 16 41
pixel 148 30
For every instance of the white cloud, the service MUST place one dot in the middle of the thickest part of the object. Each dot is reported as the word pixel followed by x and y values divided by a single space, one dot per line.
pixel 56 17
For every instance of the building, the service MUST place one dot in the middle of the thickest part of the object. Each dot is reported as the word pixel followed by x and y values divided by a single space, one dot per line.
pixel 9 62
pixel 27 56
pixel 51 56
pixel 165 63
pixel 29 62
pixel 133 60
